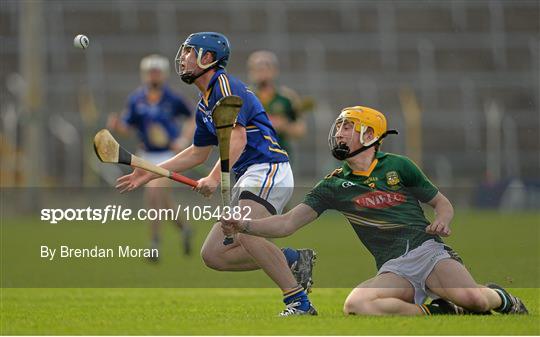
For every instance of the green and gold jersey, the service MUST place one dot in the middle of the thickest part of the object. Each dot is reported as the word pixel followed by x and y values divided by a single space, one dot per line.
pixel 281 105
pixel 382 204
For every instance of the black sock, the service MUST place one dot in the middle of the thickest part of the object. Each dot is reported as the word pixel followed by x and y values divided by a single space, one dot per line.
pixel 430 309
pixel 440 307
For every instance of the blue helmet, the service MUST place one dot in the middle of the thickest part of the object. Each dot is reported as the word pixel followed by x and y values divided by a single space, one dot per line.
pixel 203 42
pixel 216 43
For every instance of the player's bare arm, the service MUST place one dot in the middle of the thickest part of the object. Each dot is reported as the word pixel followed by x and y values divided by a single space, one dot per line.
pixel 444 212
pixel 190 157
pixel 276 226
pixel 208 184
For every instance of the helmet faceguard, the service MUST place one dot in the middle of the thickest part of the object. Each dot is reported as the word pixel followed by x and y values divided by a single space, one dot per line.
pixel 204 42
pixel 355 122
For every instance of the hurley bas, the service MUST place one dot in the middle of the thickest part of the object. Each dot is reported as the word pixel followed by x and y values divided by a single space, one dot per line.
pixel 97 252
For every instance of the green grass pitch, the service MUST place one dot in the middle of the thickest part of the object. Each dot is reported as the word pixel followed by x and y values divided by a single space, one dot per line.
pixel 181 296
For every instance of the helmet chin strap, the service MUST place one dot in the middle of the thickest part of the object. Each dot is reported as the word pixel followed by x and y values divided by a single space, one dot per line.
pixel 342 151
pixel 189 78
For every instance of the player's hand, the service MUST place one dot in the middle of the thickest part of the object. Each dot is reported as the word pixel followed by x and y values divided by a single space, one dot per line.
pixel 439 227
pixel 113 121
pixel 131 181
pixel 231 226
pixel 207 186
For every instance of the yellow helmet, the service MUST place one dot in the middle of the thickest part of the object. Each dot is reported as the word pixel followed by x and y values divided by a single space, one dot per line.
pixel 363 118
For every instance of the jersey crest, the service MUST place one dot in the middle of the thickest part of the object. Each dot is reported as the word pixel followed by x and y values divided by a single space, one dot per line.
pixel 392 178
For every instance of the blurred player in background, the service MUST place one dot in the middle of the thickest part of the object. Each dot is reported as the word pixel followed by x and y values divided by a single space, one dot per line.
pixel 380 194
pixel 264 179
pixel 153 111
pixel 282 104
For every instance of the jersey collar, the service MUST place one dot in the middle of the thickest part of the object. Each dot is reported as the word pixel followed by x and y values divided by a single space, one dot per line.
pixel 348 171
pixel 214 78
pixel 206 95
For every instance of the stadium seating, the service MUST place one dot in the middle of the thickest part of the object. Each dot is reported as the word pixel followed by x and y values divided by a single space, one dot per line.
pixel 456 56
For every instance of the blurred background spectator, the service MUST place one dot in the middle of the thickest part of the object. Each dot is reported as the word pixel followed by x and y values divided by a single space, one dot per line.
pixel 281 103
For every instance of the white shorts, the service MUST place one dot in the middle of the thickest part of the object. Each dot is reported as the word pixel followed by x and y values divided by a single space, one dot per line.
pixel 155 157
pixel 416 265
pixel 270 184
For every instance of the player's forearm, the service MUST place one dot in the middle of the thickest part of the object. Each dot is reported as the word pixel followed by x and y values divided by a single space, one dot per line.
pixel 186 159
pixel 443 209
pixel 279 226
pixel 216 171
pixel 272 227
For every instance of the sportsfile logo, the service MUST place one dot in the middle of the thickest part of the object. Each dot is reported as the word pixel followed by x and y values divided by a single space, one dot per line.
pixel 109 213
pixel 119 213
pixel 380 199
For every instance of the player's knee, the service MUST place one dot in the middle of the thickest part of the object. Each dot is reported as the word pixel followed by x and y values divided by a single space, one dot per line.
pixel 473 299
pixel 210 259
pixel 357 307
pixel 349 307
pixel 358 302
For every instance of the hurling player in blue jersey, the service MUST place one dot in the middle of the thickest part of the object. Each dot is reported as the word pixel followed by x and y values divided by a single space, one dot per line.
pixel 264 180
pixel 152 111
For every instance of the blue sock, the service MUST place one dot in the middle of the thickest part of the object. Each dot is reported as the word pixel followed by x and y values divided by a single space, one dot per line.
pixel 297 295
pixel 291 255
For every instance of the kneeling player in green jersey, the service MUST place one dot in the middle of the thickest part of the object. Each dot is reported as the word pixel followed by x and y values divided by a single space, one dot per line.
pixel 380 194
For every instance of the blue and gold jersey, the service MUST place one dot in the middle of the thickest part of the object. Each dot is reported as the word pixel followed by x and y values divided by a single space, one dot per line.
pixel 262 143
pixel 155 122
